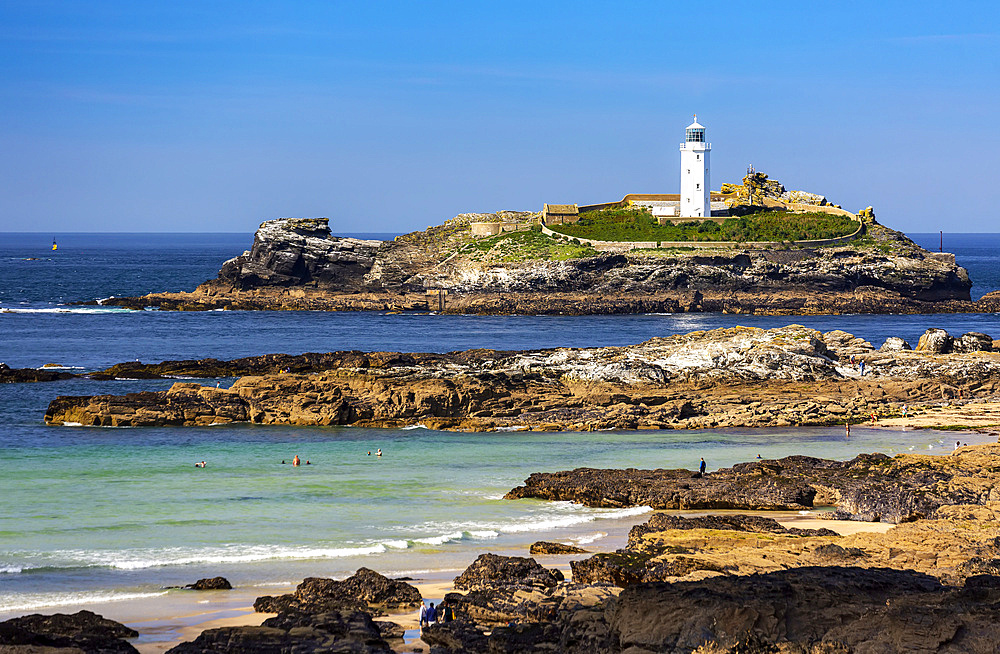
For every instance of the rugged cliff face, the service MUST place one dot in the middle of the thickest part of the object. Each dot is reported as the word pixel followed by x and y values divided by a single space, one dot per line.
pixel 297 252
pixel 298 264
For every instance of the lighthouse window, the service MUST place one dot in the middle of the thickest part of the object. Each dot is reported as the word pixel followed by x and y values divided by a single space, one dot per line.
pixel 697 157
pixel 689 171
pixel 697 187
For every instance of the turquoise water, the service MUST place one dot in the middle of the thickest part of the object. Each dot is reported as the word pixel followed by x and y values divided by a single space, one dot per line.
pixel 90 514
pixel 104 513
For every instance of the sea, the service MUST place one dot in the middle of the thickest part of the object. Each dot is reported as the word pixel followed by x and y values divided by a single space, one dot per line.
pixel 96 515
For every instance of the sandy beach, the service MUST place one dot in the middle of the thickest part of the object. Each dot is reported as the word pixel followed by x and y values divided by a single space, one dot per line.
pixel 179 615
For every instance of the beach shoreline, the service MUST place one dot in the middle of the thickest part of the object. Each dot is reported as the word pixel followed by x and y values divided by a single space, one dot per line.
pixel 180 615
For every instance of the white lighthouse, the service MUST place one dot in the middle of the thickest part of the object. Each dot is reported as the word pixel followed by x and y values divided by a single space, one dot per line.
pixel 695 198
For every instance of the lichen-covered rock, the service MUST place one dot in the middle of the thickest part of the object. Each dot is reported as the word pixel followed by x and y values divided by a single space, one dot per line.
pixel 492 570
pixel 894 344
pixel 935 341
pixel 972 342
pixel 730 377
pixel 83 631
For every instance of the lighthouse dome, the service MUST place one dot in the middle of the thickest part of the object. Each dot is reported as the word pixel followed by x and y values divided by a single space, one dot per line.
pixel 695 132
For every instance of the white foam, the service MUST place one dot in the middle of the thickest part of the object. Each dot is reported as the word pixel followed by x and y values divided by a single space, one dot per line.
pixel 32 601
pixel 590 538
pixel 513 428
pixel 88 309
pixel 440 540
pixel 397 544
pixel 10 570
pixel 70 423
pixel 144 559
pixel 419 425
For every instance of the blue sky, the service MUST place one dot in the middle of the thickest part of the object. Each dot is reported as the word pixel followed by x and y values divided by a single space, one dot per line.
pixel 391 116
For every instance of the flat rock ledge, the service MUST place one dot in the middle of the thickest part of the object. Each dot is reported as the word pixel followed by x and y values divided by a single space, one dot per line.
pixel 734 377
pixel 870 487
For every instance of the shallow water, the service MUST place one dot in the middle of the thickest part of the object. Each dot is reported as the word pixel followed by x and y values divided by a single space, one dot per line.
pixel 89 513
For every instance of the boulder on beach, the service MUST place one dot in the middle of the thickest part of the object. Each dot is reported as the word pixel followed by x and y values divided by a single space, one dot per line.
pixel 490 570
pixel 83 631
pixel 215 583
pixel 365 590
pixel 548 547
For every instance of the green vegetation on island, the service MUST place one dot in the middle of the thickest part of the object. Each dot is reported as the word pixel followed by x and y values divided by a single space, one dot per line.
pixel 524 245
pixel 631 224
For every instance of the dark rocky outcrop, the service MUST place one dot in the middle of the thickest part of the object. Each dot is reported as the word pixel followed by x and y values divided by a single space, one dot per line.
pixel 298 252
pixel 83 631
pixel 365 590
pixel 492 570
pixel 721 378
pixel 871 487
pixel 214 583
pixel 341 631
pixel 547 547
pixel 10 375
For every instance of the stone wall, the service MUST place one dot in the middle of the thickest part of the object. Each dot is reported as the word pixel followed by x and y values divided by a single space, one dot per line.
pixel 620 246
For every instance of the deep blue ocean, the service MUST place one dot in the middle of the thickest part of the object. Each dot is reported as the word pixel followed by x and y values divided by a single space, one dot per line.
pixel 89 515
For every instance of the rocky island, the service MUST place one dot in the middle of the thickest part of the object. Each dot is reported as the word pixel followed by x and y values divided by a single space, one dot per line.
pixel 733 377
pixel 516 264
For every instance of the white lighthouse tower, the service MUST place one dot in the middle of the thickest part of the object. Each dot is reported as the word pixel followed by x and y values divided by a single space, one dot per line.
pixel 695 198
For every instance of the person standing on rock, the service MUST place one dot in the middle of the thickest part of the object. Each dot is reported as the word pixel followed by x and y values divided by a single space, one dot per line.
pixel 423 616
pixel 701 467
pixel 861 368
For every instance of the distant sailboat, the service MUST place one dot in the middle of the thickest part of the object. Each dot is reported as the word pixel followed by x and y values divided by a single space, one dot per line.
pixel 54 246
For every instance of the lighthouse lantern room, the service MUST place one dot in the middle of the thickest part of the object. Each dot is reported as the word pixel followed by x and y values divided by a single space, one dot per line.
pixel 695 176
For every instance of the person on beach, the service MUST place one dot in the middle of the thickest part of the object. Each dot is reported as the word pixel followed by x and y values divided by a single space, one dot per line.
pixel 874 418
pixel 701 466
pixel 296 461
pixel 847 429
pixel 852 360
pixel 861 368
pixel 423 616
pixel 904 410
pixel 957 445
pixel 447 613
pixel 431 614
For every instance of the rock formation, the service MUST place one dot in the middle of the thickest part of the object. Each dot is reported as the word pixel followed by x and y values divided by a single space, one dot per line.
pixel 365 590
pixel 215 583
pixel 300 252
pixel 721 378
pixel 83 631
pixel 870 487
pixel 10 375
pixel 337 630
pixel 298 264
pixel 548 547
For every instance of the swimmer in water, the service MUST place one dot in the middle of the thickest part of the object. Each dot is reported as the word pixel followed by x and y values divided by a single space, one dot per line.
pixel 379 453
pixel 295 461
